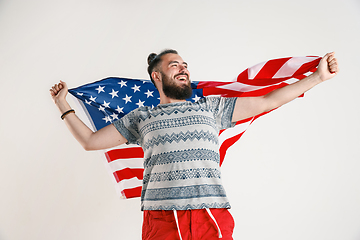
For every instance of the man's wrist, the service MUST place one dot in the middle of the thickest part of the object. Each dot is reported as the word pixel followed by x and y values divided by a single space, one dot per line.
pixel 60 101
pixel 62 105
pixel 316 77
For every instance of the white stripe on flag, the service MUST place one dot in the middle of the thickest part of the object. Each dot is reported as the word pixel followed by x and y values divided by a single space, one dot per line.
pixel 254 70
pixel 232 132
pixel 291 66
pixel 241 87
pixel 129 183
pixel 291 80
pixel 122 146
pixel 120 164
pixel 307 73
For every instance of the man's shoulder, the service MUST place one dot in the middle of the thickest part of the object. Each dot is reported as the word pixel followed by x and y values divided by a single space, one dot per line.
pixel 210 100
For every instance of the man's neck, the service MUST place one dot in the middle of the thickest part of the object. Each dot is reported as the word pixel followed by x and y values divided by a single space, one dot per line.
pixel 165 100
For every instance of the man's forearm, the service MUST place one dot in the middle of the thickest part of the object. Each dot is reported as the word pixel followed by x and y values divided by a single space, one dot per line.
pixel 78 129
pixel 288 93
pixel 106 137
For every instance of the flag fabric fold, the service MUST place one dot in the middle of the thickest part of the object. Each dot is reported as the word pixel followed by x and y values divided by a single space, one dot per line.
pixel 107 100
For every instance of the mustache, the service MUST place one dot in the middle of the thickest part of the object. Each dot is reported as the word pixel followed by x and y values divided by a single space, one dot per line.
pixel 179 74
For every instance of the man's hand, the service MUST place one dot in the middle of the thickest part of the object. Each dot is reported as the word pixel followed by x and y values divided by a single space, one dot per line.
pixel 328 67
pixel 59 91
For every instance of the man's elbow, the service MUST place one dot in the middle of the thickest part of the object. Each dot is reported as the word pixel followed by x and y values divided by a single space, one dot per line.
pixel 88 147
pixel 91 143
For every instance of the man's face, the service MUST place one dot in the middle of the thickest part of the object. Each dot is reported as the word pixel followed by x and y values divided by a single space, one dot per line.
pixel 175 77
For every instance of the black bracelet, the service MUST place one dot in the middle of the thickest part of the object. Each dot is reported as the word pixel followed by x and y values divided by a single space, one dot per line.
pixel 66 113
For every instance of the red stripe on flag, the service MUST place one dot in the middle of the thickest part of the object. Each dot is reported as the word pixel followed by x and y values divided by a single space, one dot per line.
pixel 128 173
pixel 263 81
pixel 262 91
pixel 314 69
pixel 124 153
pixel 306 67
pixel 244 75
pixel 210 84
pixel 233 93
pixel 221 92
pixel 230 141
pixel 239 122
pixel 131 192
pixel 299 77
pixel 226 144
pixel 271 68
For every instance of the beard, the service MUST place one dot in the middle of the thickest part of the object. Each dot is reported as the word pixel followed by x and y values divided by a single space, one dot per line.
pixel 172 90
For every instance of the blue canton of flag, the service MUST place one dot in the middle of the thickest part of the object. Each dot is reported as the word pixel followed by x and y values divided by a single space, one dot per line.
pixel 111 98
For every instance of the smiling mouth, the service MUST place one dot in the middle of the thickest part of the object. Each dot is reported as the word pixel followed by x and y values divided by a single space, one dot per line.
pixel 182 77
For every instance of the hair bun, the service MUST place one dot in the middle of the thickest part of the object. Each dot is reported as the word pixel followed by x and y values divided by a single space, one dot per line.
pixel 151 57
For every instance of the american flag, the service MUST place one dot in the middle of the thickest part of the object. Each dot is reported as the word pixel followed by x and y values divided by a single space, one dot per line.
pixel 109 99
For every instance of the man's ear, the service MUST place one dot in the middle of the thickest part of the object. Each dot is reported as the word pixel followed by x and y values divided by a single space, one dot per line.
pixel 156 76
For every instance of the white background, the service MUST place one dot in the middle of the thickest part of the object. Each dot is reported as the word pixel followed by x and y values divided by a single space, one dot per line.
pixel 293 175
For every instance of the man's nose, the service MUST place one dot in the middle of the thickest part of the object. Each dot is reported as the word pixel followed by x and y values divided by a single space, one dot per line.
pixel 182 68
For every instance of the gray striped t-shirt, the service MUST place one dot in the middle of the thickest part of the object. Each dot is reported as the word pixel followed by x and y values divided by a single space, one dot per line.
pixel 181 152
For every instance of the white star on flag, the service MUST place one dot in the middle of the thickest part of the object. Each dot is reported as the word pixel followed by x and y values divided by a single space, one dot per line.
pixel 127 99
pixel 136 88
pixel 119 109
pixel 196 98
pixel 114 116
pixel 92 98
pixel 106 104
pixel 140 103
pixel 100 89
pixel 149 93
pixel 107 119
pixel 122 83
pixel 114 93
pixel 101 108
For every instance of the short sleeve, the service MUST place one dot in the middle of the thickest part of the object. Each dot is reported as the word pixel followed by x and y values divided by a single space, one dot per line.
pixel 222 109
pixel 128 127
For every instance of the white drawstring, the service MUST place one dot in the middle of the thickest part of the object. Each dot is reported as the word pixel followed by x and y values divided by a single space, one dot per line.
pixel 177 223
pixel 212 217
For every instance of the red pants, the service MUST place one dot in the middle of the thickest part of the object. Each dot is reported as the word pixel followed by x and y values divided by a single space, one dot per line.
pixel 193 224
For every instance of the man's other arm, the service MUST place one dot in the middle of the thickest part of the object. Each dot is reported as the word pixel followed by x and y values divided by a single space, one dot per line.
pixel 106 137
pixel 251 106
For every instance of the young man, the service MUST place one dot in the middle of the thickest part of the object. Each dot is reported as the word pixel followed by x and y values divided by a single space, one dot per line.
pixel 183 197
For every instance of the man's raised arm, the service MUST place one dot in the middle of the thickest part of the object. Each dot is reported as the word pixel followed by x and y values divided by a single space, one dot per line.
pixel 106 137
pixel 251 106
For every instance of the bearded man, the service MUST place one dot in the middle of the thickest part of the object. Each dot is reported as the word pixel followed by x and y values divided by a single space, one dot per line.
pixel 182 194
